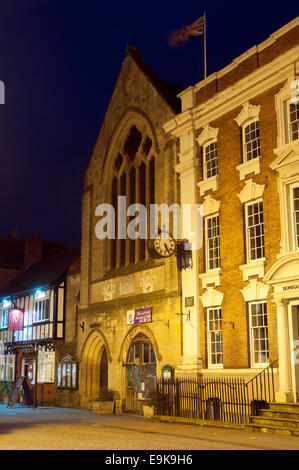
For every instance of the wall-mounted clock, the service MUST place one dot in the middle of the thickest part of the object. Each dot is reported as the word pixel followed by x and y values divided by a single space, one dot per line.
pixel 164 244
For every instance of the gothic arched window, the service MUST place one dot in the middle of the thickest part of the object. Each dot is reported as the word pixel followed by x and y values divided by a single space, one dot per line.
pixel 133 177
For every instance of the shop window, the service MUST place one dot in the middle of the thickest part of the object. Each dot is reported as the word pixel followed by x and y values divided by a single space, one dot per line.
pixel 7 367
pixel 46 367
pixel 67 375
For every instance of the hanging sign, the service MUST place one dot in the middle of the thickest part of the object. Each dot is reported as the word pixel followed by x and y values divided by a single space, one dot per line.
pixel 139 315
pixel 15 318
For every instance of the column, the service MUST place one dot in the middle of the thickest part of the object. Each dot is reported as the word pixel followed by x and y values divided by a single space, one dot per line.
pixel 285 393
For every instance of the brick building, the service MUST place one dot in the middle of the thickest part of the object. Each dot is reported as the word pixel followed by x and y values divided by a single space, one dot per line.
pixel 239 158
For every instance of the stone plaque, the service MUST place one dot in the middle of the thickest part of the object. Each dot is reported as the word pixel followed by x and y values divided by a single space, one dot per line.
pixel 126 285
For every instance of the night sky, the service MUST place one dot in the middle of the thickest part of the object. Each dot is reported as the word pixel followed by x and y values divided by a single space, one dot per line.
pixel 59 60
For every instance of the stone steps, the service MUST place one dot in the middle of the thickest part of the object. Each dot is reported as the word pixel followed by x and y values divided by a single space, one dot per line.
pixel 280 418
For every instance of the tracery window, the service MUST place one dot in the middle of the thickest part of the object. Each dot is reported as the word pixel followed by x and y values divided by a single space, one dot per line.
pixel 134 177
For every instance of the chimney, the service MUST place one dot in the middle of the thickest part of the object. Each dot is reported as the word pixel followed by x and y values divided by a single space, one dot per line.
pixel 33 249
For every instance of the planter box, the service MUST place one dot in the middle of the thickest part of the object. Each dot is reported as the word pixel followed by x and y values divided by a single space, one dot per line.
pixel 148 411
pixel 103 407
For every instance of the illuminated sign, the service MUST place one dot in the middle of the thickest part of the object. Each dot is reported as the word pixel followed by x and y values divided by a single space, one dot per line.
pixel 15 318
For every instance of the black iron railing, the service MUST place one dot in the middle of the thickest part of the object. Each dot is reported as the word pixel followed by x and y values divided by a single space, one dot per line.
pixel 261 388
pixel 225 399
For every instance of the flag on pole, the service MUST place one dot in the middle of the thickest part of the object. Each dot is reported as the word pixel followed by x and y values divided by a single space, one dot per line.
pixel 182 35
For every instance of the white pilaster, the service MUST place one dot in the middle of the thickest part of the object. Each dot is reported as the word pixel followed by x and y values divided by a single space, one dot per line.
pixel 285 393
pixel 190 361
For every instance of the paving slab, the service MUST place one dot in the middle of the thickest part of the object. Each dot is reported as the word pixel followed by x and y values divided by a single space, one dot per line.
pixel 47 428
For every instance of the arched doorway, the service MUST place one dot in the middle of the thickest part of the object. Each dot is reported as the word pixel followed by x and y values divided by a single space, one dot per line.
pixel 104 372
pixel 94 361
pixel 141 372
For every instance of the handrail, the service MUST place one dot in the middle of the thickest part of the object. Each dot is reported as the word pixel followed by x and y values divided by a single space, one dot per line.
pixel 263 371
pixel 262 385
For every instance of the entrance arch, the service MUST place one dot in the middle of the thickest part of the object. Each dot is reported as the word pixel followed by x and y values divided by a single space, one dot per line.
pixel 94 366
pixel 141 372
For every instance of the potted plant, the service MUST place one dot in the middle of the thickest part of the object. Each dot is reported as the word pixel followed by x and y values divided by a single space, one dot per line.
pixel 5 391
pixel 149 405
pixel 105 405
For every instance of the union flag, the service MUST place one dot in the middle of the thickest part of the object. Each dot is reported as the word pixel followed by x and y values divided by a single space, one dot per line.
pixel 182 35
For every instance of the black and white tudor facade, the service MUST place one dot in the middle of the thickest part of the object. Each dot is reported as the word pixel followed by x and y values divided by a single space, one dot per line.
pixel 40 294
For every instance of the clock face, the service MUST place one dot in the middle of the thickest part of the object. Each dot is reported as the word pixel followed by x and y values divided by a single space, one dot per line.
pixel 164 244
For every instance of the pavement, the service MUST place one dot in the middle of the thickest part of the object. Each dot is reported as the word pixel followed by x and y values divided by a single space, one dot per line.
pixel 49 428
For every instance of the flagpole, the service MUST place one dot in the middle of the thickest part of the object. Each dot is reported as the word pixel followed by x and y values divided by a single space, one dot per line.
pixel 205 44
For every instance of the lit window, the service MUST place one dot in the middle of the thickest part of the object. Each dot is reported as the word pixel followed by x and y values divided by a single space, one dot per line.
pixel 4 318
pixel 7 367
pixel 251 141
pixel 212 243
pixel 259 333
pixel 293 121
pixel 295 211
pixel 215 337
pixel 41 310
pixel 67 374
pixel 46 367
pixel 255 231
pixel 211 160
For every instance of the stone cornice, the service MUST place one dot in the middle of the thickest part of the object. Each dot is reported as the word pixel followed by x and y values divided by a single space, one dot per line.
pixel 247 88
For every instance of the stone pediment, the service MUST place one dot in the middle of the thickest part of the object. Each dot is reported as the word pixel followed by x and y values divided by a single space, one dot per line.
pixel 284 269
pixel 287 156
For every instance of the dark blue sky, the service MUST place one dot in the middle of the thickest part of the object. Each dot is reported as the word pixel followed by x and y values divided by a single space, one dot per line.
pixel 59 60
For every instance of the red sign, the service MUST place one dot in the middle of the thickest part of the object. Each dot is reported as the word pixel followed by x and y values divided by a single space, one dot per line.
pixel 15 318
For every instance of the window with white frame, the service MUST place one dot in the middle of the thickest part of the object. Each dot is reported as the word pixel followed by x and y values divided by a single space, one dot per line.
pixel 212 242
pixel 259 343
pixel 46 367
pixel 254 230
pixel 293 117
pixel 295 214
pixel 41 310
pixel 4 317
pixel 7 367
pixel 251 141
pixel 210 160
pixel 214 331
